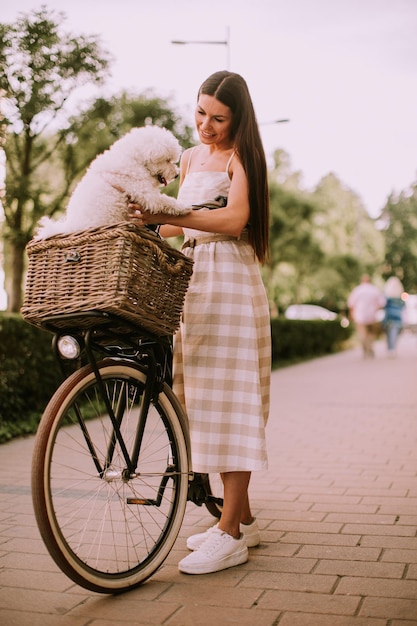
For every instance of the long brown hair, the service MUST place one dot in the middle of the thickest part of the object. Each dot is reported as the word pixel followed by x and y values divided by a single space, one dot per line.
pixel 232 91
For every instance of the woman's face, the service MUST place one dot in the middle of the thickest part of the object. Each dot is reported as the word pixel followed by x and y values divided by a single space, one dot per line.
pixel 213 121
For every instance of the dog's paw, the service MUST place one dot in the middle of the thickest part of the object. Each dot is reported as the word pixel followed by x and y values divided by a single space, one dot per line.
pixel 167 205
pixel 181 210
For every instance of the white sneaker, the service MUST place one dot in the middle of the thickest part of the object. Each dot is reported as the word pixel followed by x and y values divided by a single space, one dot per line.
pixel 249 531
pixel 219 551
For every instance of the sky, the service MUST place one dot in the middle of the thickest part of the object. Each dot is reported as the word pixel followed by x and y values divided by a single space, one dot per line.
pixel 344 72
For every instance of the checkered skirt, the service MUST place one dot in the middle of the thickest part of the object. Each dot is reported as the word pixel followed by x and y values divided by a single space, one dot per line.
pixel 222 358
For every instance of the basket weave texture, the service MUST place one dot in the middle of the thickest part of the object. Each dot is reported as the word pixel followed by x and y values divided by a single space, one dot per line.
pixel 121 269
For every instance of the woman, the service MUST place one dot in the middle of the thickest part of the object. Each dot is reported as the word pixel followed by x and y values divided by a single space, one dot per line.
pixel 222 352
pixel 393 319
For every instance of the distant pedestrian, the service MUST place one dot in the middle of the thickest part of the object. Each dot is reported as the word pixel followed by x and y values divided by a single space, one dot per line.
pixel 393 320
pixel 364 302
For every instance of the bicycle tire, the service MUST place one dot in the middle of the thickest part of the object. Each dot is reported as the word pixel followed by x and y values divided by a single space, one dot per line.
pixel 106 533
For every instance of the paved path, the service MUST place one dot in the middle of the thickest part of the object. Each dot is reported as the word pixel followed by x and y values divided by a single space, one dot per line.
pixel 337 511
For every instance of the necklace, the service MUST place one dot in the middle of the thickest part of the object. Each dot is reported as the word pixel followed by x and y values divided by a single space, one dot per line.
pixel 205 159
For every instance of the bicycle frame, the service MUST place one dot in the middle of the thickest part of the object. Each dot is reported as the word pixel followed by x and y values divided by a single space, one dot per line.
pixel 111 466
pixel 135 345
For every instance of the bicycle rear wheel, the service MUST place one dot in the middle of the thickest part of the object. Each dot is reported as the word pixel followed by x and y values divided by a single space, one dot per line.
pixel 108 528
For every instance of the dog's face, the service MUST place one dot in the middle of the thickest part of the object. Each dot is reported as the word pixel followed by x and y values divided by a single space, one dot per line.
pixel 153 148
pixel 164 171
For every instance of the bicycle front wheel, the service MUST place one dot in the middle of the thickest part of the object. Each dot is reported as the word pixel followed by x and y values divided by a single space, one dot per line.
pixel 107 527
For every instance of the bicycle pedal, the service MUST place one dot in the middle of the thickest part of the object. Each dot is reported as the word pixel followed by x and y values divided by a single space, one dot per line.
pixel 144 501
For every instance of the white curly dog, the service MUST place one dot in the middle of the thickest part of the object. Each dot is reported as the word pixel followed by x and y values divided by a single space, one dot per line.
pixel 132 170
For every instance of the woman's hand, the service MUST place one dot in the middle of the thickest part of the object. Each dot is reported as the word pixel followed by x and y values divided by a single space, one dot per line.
pixel 141 217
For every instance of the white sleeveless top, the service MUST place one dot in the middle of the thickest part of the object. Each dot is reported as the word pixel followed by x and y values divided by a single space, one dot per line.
pixel 202 188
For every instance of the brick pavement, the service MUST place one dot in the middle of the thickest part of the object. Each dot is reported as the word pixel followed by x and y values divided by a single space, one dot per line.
pixel 337 510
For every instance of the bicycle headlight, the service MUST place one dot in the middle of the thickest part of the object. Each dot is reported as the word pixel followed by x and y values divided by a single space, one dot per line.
pixel 68 347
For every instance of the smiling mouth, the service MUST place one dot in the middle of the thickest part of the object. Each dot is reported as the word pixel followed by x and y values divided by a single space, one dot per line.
pixel 162 180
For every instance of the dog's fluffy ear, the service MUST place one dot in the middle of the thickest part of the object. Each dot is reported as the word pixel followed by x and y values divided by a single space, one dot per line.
pixel 159 143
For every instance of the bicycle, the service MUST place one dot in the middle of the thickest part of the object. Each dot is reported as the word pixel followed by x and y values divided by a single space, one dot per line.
pixel 111 470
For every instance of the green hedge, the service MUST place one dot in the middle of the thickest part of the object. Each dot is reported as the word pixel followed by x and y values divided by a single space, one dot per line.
pixel 29 373
pixel 294 340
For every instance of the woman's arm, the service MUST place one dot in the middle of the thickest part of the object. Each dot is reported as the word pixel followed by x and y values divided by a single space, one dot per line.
pixel 170 231
pixel 228 220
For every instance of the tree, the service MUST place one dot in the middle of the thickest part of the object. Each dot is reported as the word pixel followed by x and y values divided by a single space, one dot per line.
pixel 399 221
pixel 321 240
pixel 294 252
pixel 40 67
pixel 343 227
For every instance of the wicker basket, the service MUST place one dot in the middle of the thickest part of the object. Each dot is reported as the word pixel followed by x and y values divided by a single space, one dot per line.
pixel 122 269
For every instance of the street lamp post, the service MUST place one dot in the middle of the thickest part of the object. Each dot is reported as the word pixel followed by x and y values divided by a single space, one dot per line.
pixel 221 42
pixel 273 122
